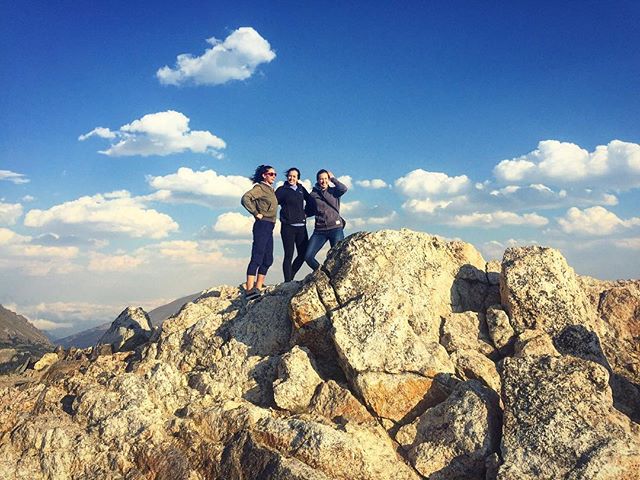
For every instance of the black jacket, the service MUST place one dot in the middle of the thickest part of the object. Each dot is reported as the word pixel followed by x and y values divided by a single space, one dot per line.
pixel 292 203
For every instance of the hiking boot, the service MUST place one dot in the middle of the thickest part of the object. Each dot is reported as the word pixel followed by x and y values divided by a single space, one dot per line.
pixel 252 294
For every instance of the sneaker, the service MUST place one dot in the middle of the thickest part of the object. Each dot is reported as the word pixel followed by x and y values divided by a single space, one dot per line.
pixel 252 294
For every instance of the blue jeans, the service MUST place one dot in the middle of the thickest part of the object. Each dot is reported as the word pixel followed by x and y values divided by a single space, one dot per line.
pixel 317 241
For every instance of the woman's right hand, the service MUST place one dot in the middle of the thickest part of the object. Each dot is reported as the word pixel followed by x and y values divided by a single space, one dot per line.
pixel 259 216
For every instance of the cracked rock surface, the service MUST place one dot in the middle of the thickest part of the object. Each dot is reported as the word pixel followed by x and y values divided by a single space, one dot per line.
pixel 404 357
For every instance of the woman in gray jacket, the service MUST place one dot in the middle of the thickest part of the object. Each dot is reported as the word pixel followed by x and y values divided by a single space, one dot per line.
pixel 325 204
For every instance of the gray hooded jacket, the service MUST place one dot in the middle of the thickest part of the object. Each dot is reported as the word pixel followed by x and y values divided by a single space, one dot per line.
pixel 326 205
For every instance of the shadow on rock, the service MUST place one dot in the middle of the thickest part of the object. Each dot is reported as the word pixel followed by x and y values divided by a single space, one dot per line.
pixel 473 289
pixel 578 341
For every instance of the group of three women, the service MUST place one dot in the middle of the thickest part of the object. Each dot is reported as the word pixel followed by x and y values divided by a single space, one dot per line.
pixel 297 204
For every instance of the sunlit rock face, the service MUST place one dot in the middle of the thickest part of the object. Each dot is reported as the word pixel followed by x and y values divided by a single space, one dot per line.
pixel 130 329
pixel 405 356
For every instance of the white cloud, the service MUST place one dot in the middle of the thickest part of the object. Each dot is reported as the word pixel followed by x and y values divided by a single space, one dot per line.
pixel 99 262
pixel 351 208
pixel 234 224
pixel 505 190
pixel 18 252
pixel 359 222
pixel 9 213
pixel 494 250
pixel 628 243
pixel 616 165
pixel 161 133
pixel 13 177
pixel 199 253
pixel 425 206
pixel 235 58
pixel 376 183
pixel 110 212
pixel 422 184
pixel 44 324
pixel 307 184
pixel 359 214
pixel 498 219
pixel 73 312
pixel 8 236
pixel 347 180
pixel 101 132
pixel 537 195
pixel 596 221
pixel 187 185
pixel 28 198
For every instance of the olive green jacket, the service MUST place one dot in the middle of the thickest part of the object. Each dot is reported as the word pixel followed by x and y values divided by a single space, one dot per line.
pixel 261 199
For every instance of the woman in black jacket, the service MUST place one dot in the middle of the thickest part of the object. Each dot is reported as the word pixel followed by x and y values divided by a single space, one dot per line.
pixel 293 229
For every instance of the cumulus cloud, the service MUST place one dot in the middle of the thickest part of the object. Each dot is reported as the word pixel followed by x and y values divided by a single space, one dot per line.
pixel 161 133
pixel 538 195
pixel 494 249
pixel 19 252
pixel 359 214
pixel 347 180
pixel 203 253
pixel 47 325
pixel 425 206
pixel 9 213
pixel 596 221
pixel 99 262
pixel 498 219
pixel 13 177
pixel 235 58
pixel 628 243
pixel 54 239
pixel 422 184
pixel 352 208
pixel 117 212
pixel 615 165
pixel 372 221
pixel 234 224
pixel 101 132
pixel 8 236
pixel 205 186
pixel 70 313
pixel 376 183
pixel 28 198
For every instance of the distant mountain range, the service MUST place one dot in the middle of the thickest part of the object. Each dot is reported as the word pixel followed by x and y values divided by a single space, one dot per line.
pixel 89 337
pixel 20 341
pixel 17 330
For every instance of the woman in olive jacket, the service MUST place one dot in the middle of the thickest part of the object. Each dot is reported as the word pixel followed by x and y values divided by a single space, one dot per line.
pixel 261 202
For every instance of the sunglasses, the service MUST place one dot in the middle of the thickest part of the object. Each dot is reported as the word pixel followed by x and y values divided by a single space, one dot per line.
pixel 271 174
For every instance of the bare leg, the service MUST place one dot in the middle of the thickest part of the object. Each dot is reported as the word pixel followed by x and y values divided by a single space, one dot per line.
pixel 260 281
pixel 251 280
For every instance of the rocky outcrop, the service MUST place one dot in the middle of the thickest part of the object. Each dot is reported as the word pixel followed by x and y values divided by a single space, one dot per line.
pixel 454 438
pixel 398 359
pixel 21 343
pixel 559 422
pixel 130 329
pixel 384 315
pixel 541 291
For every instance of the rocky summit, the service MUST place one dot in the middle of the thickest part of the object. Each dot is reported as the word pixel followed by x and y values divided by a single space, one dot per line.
pixel 404 357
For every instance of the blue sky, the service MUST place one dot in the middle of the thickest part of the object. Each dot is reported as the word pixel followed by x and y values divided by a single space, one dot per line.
pixel 496 124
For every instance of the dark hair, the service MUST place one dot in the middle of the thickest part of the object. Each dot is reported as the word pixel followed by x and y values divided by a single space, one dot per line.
pixel 293 169
pixel 319 172
pixel 257 175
